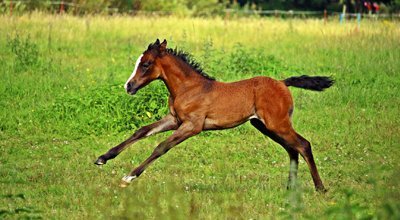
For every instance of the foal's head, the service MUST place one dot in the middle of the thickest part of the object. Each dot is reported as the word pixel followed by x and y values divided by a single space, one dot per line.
pixel 147 67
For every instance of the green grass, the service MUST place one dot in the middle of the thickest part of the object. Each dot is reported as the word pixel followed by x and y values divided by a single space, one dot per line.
pixel 62 104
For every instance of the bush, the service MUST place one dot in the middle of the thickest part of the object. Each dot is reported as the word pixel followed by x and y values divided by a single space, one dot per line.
pixel 109 108
pixel 26 53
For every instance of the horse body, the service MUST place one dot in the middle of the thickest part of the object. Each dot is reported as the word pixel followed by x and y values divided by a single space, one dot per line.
pixel 197 103
pixel 223 105
pixel 226 105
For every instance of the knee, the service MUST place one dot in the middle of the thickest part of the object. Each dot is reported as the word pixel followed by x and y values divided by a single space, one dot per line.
pixel 142 131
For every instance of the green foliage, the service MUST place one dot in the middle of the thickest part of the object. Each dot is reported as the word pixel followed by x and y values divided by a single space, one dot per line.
pixel 254 61
pixel 348 209
pixel 395 6
pixel 204 8
pixel 25 52
pixel 90 6
pixel 108 108
pixel 171 7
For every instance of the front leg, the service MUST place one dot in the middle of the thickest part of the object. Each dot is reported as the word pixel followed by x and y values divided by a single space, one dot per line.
pixel 167 123
pixel 186 130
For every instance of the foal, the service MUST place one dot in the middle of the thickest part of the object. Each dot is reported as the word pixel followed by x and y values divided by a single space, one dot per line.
pixel 197 102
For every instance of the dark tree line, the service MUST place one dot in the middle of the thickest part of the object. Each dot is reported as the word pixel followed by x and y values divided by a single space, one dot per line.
pixel 199 7
pixel 332 5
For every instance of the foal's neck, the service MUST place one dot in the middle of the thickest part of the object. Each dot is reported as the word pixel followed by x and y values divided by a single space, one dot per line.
pixel 180 77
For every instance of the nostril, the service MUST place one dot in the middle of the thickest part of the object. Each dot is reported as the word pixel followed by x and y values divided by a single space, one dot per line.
pixel 129 86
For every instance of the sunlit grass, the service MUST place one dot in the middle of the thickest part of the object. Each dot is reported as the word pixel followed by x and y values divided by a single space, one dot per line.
pixel 62 105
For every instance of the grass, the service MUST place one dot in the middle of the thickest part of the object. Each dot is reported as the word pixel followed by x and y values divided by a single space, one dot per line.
pixel 62 105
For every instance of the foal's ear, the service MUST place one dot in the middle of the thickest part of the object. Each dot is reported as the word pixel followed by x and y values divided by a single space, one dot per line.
pixel 157 42
pixel 163 47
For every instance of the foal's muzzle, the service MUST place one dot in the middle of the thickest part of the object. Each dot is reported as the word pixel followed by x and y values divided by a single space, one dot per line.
pixel 131 88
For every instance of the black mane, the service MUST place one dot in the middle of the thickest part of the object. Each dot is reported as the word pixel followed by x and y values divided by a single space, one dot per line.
pixel 187 58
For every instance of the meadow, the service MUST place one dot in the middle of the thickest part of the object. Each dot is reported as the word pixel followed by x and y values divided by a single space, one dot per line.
pixel 62 104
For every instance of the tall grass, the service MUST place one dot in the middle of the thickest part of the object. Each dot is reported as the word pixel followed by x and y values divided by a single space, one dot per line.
pixel 62 105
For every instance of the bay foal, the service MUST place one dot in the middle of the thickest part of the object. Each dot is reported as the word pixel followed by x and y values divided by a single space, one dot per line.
pixel 197 102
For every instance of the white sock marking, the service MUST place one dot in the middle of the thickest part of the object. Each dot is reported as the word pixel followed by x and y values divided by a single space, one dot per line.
pixel 134 71
pixel 128 179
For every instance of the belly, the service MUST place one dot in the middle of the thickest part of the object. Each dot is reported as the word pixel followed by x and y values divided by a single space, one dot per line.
pixel 226 119
pixel 212 124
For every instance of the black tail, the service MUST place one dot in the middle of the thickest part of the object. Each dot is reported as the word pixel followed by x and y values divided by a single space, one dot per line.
pixel 316 83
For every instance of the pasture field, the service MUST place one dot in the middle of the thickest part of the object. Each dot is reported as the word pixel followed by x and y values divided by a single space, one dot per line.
pixel 62 104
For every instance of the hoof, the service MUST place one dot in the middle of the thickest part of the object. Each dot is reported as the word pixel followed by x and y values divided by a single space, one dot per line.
pixel 126 180
pixel 100 161
pixel 322 190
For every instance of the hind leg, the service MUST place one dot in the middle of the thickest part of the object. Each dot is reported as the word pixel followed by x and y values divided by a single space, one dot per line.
pixel 304 148
pixel 293 155
pixel 297 143
pixel 283 133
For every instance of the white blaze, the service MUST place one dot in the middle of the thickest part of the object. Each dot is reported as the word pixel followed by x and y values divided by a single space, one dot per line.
pixel 134 71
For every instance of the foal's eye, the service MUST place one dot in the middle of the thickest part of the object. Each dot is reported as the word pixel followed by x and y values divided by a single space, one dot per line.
pixel 146 65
